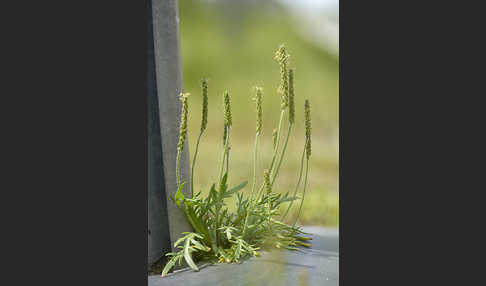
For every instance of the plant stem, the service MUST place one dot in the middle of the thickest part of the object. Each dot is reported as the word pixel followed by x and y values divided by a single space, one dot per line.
pixel 275 152
pixel 254 179
pixel 177 167
pixel 217 203
pixel 225 155
pixel 216 216
pixel 303 194
pixel 222 166
pixel 254 165
pixel 283 153
pixel 194 162
pixel 268 214
pixel 223 158
pixel 227 162
pixel 260 191
pixel 227 152
pixel 282 115
pixel 298 184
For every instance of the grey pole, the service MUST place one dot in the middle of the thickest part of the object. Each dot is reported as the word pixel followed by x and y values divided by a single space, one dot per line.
pixel 165 221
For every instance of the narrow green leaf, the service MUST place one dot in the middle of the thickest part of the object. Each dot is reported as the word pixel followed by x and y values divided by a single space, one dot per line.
pixel 286 199
pixel 236 189
pixel 199 246
pixel 169 266
pixel 179 241
pixel 187 256
pixel 196 223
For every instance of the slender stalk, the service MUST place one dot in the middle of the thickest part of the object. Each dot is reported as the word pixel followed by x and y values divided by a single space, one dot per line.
pixel 220 180
pixel 177 167
pixel 308 150
pixel 204 123
pixel 227 150
pixel 254 165
pixel 269 217
pixel 222 165
pixel 275 152
pixel 260 192
pixel 226 137
pixel 252 203
pixel 282 154
pixel 227 161
pixel 194 162
pixel 259 121
pixel 254 182
pixel 297 186
pixel 225 155
pixel 303 193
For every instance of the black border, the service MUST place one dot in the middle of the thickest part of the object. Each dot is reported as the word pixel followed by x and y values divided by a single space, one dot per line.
pixel 78 158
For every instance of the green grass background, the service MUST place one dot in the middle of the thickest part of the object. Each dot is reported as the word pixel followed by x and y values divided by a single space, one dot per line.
pixel 233 46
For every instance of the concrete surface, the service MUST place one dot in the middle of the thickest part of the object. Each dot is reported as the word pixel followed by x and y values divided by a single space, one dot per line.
pixel 316 266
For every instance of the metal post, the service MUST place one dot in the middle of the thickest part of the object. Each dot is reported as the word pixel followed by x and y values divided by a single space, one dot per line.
pixel 166 222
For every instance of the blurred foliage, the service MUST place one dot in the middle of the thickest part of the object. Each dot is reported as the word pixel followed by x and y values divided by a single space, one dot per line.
pixel 232 44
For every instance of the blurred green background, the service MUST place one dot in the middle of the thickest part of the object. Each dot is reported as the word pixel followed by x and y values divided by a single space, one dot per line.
pixel 232 44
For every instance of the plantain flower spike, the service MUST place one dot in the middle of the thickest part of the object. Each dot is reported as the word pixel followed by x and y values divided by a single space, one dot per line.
pixel 204 122
pixel 291 97
pixel 266 177
pixel 225 134
pixel 227 115
pixel 227 109
pixel 308 129
pixel 258 99
pixel 282 57
pixel 183 126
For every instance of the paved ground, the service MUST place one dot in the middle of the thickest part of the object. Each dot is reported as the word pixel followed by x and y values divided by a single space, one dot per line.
pixel 316 266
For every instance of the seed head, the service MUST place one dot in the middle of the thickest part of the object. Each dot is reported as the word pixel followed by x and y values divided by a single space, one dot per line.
pixel 282 57
pixel 225 134
pixel 266 177
pixel 308 129
pixel 227 109
pixel 204 122
pixel 183 126
pixel 291 97
pixel 258 99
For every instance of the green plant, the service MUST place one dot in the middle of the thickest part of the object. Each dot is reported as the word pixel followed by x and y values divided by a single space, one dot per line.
pixel 223 236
